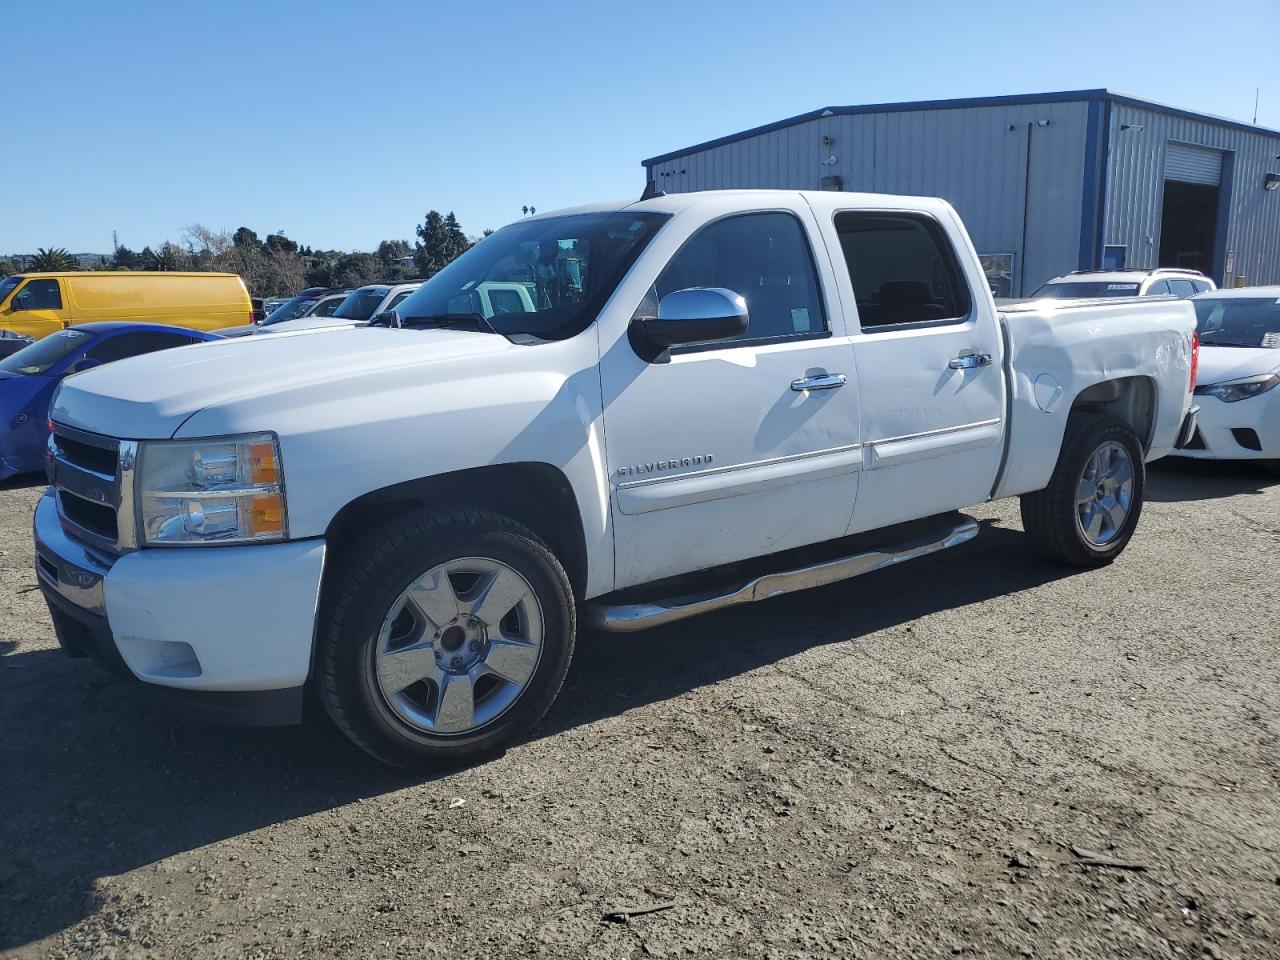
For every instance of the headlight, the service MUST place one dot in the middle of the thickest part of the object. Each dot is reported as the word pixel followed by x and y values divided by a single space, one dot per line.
pixel 225 490
pixel 1232 390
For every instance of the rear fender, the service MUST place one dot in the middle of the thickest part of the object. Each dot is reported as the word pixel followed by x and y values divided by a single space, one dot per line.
pixel 1131 360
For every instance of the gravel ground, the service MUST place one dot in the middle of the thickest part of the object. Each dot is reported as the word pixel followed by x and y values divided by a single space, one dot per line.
pixel 896 766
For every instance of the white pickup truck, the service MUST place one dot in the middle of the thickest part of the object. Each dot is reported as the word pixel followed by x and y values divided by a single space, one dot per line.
pixel 696 401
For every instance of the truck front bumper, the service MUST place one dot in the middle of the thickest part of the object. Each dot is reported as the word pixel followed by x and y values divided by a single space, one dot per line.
pixel 226 632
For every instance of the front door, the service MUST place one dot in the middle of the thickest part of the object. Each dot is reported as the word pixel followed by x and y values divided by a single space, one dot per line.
pixel 928 358
pixel 35 309
pixel 733 449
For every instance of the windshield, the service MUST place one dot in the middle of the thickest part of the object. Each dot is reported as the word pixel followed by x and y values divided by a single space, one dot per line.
pixel 1243 322
pixel 545 278
pixel 289 310
pixel 1085 289
pixel 7 285
pixel 360 304
pixel 43 354
pixel 326 307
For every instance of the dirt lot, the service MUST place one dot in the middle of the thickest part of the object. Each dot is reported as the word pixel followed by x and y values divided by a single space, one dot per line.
pixel 898 766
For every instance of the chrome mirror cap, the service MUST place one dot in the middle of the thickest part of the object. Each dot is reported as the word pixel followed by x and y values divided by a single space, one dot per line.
pixel 702 303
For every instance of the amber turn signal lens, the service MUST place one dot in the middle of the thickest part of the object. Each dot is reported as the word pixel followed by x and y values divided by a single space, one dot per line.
pixel 263 468
pixel 267 515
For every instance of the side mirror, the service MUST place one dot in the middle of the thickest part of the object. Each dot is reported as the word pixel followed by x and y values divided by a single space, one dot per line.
pixel 695 315
pixel 387 318
pixel 85 363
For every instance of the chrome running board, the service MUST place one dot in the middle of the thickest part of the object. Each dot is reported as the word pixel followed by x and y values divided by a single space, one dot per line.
pixel 629 617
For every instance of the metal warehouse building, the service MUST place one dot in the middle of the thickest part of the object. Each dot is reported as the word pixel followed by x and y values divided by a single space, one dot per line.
pixel 1047 183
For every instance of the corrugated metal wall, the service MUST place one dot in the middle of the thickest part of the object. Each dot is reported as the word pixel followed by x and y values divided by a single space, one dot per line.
pixel 1135 188
pixel 975 157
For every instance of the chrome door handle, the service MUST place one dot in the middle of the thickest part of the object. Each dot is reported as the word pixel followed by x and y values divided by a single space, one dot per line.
pixel 967 361
pixel 827 381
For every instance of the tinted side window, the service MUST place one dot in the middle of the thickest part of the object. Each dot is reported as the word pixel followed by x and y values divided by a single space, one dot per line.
pixel 326 307
pixel 39 295
pixel 1200 285
pixel 1182 288
pixel 764 257
pixel 395 301
pixel 1158 289
pixel 902 268
pixel 134 344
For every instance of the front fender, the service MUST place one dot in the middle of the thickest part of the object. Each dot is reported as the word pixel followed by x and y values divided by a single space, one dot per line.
pixel 538 404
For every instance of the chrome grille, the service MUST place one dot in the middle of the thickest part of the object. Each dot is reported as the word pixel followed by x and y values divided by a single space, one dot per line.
pixel 92 476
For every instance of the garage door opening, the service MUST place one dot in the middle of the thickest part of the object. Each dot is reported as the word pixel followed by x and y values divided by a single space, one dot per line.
pixel 1191 214
pixel 1188 225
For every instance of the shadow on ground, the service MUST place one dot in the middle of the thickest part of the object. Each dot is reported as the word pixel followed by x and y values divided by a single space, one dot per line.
pixel 24 480
pixel 1181 479
pixel 100 780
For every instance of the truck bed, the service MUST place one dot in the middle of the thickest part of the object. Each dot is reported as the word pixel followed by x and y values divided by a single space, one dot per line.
pixel 1057 350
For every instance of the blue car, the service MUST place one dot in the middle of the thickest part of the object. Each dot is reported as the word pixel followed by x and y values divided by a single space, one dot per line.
pixel 29 378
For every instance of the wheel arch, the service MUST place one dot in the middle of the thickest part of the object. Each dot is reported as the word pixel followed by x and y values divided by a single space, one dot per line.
pixel 1132 399
pixel 537 495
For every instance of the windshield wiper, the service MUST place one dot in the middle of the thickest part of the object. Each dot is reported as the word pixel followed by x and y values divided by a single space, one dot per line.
pixel 462 321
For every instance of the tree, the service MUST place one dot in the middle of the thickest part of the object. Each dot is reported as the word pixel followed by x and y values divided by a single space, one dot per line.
pixel 8 267
pixel 397 260
pixel 52 260
pixel 172 257
pixel 456 241
pixel 355 270
pixel 440 240
pixel 430 254
pixel 280 243
pixel 244 237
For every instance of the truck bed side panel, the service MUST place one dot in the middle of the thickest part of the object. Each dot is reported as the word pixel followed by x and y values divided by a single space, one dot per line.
pixel 1057 352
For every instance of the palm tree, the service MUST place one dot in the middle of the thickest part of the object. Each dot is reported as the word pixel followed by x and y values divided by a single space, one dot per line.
pixel 53 260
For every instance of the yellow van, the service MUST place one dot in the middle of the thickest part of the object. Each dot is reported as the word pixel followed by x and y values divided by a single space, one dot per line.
pixel 38 304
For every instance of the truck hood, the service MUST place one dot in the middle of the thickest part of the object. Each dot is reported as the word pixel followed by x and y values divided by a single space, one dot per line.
pixel 1231 363
pixel 149 397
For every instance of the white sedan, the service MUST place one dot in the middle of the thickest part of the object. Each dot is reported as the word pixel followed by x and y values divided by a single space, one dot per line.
pixel 1239 372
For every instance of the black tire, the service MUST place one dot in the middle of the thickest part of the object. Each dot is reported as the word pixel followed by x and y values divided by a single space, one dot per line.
pixel 1050 515
pixel 372 575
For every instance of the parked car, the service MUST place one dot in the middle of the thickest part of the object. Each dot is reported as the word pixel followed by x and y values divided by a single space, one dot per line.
pixel 308 304
pixel 38 304
pixel 360 307
pixel 29 378
pixel 1239 416
pixel 706 399
pixel 327 305
pixel 11 343
pixel 298 308
pixel 1160 282
pixel 365 303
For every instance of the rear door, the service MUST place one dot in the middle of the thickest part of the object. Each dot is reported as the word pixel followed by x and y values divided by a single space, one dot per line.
pixel 928 353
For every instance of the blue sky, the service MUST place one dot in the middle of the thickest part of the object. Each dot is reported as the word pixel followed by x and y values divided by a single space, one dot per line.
pixel 343 123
